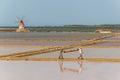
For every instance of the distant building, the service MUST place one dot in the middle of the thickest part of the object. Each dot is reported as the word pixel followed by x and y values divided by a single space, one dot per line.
pixel 21 27
pixel 103 31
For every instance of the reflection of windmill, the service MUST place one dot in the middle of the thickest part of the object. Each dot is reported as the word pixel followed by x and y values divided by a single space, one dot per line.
pixel 21 27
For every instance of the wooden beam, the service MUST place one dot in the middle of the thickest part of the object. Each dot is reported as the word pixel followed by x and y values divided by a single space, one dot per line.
pixel 65 59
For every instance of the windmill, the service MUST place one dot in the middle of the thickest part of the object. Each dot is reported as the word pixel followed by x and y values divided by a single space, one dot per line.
pixel 21 26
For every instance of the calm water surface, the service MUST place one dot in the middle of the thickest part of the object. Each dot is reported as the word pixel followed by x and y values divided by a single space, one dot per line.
pixel 43 70
pixel 50 35
pixel 29 70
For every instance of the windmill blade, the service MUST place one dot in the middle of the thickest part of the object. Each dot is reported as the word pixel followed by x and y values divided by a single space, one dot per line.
pixel 23 17
pixel 18 18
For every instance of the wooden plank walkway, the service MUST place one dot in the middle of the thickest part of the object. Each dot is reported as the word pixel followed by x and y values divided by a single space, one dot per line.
pixel 29 53
pixel 52 49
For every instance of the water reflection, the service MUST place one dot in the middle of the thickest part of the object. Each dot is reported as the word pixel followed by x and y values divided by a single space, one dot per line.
pixel 63 69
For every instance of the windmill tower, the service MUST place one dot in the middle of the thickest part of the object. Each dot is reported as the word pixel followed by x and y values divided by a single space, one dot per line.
pixel 21 27
pixel 21 24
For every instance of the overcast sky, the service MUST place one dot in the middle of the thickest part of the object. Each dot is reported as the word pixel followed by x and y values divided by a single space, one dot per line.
pixel 59 12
